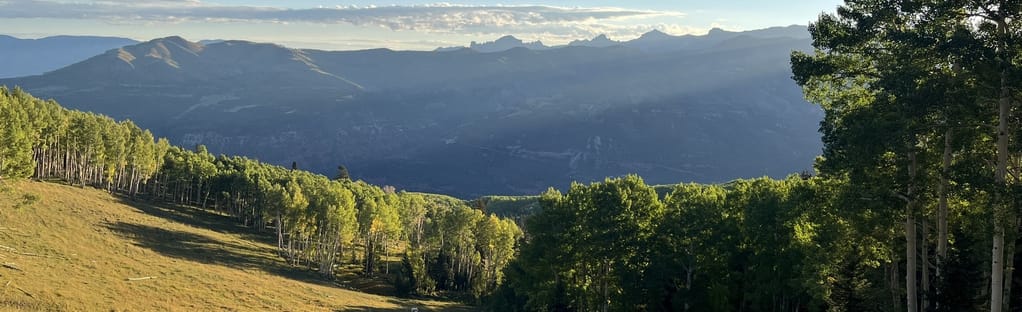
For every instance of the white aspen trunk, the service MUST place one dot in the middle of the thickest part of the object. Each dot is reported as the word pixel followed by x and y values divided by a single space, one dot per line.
pixel 280 234
pixel 942 205
pixel 1000 177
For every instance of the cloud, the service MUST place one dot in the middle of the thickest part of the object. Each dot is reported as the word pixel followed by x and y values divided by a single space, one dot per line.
pixel 432 16
pixel 442 17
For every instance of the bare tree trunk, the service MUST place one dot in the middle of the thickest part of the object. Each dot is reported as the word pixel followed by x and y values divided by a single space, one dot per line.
pixel 280 233
pixel 1000 177
pixel 997 270
pixel 910 264
pixel 925 256
pixel 910 239
pixel 942 206
pixel 1009 266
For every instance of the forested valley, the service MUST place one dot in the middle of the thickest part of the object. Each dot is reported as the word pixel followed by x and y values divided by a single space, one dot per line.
pixel 913 205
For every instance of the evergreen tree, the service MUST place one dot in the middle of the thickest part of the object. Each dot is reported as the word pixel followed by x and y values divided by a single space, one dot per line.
pixel 342 174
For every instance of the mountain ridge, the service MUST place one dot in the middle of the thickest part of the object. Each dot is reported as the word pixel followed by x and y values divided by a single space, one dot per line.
pixel 26 57
pixel 655 40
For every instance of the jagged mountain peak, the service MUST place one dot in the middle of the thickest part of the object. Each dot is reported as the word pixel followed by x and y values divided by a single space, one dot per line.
pixel 599 41
pixel 505 43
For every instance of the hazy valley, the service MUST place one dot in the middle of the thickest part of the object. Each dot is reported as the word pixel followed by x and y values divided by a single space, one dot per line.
pixel 670 108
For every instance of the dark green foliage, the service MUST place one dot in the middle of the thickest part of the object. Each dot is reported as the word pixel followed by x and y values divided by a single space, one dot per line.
pixel 961 286
pixel 27 200
pixel 918 101
pixel 404 280
pixel 803 243
pixel 588 249
pixel 342 173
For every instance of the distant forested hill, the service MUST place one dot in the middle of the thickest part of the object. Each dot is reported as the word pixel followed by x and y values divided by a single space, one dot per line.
pixel 670 108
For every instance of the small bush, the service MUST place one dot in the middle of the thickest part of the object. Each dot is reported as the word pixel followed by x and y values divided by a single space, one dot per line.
pixel 27 199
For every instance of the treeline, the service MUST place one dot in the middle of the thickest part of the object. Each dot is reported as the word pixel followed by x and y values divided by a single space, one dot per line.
pixel 318 222
pixel 799 244
pixel 760 245
pixel 41 139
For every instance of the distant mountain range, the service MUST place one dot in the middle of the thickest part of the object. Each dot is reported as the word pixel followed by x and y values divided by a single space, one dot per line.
pixel 470 121
pixel 654 40
pixel 600 41
pixel 24 57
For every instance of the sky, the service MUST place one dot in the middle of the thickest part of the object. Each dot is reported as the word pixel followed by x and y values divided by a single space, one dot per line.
pixel 395 24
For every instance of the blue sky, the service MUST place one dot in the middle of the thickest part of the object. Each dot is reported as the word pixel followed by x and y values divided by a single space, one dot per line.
pixel 395 24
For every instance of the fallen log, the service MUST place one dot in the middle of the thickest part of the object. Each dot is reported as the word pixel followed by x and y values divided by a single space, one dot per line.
pixel 22 290
pixel 12 267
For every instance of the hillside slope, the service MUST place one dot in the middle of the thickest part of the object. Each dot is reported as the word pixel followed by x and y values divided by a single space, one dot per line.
pixel 69 249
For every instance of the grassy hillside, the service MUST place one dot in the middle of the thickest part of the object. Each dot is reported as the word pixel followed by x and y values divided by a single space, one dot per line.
pixel 67 248
pixel 509 206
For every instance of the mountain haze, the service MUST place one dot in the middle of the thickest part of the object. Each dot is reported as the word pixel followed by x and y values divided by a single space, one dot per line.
pixel 600 41
pixel 464 122
pixel 25 57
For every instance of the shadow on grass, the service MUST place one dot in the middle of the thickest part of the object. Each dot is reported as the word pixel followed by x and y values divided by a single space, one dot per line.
pixel 208 250
pixel 204 249
pixel 249 256
pixel 406 307
pixel 200 218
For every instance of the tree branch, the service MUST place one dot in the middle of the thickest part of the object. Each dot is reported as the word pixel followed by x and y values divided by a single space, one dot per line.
pixel 901 196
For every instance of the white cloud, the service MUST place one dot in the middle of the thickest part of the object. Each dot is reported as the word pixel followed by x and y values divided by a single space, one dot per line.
pixel 552 22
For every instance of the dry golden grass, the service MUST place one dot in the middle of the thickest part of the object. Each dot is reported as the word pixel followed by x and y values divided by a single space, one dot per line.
pixel 70 249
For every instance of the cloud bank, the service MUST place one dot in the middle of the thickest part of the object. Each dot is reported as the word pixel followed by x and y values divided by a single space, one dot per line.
pixel 434 18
